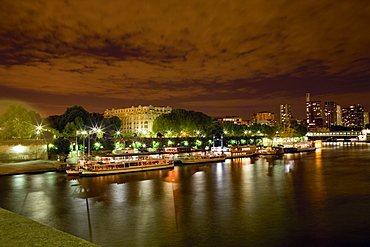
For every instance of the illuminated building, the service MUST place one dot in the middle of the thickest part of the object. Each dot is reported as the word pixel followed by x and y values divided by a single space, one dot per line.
pixel 314 114
pixel 285 113
pixel 330 111
pixel 264 117
pixel 353 116
pixel 339 115
pixel 233 119
pixel 139 119
pixel 366 118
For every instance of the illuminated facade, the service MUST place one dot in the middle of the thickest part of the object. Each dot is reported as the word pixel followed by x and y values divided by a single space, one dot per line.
pixel 366 118
pixel 233 119
pixel 353 116
pixel 139 119
pixel 264 117
pixel 314 114
pixel 285 113
pixel 339 115
pixel 330 111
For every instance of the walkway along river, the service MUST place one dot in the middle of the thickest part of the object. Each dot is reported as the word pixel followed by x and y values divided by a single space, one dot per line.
pixel 320 198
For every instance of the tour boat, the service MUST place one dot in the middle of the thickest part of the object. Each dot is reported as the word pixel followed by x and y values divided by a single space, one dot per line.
pixel 124 163
pixel 83 162
pixel 125 166
pixel 299 150
pixel 270 150
pixel 240 152
pixel 195 159
pixel 298 147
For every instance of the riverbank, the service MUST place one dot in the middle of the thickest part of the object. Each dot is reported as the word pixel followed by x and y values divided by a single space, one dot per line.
pixel 34 166
pixel 16 230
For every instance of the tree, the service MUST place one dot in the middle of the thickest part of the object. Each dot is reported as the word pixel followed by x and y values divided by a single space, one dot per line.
pixel 114 123
pixel 182 122
pixel 233 129
pixel 18 123
pixel 215 129
pixel 71 114
pixel 292 129
pixel 62 146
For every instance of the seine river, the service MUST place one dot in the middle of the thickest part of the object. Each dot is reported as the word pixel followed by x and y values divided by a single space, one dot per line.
pixel 320 198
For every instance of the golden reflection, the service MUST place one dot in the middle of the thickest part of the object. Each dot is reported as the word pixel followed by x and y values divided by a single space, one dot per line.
pixel 39 206
pixel 319 196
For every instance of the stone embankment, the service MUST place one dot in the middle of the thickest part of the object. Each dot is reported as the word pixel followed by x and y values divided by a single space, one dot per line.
pixel 35 166
pixel 16 230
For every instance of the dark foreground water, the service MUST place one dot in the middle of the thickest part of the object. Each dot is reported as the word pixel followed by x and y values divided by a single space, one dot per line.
pixel 310 199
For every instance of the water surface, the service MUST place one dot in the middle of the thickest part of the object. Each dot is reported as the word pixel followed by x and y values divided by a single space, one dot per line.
pixel 320 198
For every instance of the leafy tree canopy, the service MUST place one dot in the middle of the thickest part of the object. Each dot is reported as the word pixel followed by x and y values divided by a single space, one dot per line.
pixel 182 122
pixel 291 129
pixel 114 123
pixel 18 123
pixel 63 146
pixel 71 114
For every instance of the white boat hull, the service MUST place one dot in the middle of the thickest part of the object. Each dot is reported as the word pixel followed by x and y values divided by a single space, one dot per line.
pixel 125 170
pixel 201 160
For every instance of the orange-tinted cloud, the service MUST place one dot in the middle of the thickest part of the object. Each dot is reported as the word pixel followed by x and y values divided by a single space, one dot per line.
pixel 185 51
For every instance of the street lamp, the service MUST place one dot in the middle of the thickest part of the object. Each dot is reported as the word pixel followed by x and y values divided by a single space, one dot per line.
pixel 38 129
pixel 83 133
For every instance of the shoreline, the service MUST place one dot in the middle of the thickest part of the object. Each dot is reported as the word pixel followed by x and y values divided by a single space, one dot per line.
pixel 35 166
pixel 16 230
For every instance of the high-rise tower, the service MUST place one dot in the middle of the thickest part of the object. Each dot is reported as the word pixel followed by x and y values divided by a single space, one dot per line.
pixel 353 116
pixel 330 111
pixel 314 113
pixel 285 113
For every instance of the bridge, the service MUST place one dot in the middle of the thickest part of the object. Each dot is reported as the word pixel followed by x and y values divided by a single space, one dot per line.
pixel 339 135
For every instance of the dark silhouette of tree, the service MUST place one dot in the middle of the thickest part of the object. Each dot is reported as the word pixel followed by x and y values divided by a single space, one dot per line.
pixel 62 146
pixel 71 114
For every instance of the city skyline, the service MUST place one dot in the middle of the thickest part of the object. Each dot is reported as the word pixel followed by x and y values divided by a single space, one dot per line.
pixel 219 58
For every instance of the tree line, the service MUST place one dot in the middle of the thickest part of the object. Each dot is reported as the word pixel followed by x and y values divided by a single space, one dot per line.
pixel 76 124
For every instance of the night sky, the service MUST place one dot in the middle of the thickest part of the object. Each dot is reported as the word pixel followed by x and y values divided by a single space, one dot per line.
pixel 222 58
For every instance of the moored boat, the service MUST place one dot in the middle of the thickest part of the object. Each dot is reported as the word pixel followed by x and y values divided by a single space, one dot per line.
pixel 240 152
pixel 299 147
pixel 125 167
pixel 299 150
pixel 73 172
pixel 116 164
pixel 196 159
pixel 270 150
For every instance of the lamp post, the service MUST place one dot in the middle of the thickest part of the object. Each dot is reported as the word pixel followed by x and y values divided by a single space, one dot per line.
pixel 38 131
pixel 84 132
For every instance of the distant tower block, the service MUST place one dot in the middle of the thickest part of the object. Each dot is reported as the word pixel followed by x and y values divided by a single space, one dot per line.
pixel 308 97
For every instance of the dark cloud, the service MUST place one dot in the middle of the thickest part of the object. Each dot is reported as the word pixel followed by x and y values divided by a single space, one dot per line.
pixel 219 55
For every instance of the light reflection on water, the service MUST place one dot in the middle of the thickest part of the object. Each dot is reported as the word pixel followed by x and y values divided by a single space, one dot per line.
pixel 310 199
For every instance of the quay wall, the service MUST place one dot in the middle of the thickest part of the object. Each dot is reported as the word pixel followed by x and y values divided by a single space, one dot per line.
pixel 16 230
pixel 23 150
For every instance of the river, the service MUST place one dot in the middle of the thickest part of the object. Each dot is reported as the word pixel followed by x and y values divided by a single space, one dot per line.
pixel 319 198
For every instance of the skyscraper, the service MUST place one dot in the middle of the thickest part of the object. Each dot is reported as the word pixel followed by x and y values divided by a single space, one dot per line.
pixel 314 113
pixel 339 115
pixel 330 112
pixel 353 116
pixel 285 113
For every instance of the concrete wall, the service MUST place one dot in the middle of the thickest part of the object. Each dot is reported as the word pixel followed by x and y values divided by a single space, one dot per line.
pixel 23 150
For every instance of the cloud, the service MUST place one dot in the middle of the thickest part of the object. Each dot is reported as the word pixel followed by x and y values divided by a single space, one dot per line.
pixel 182 50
